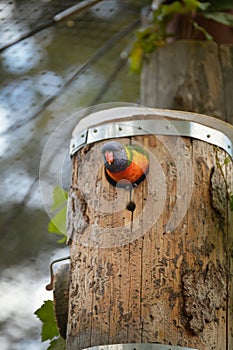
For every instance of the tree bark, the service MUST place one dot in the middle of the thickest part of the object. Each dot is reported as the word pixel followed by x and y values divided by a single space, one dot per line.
pixel 195 76
pixel 140 277
pixel 132 279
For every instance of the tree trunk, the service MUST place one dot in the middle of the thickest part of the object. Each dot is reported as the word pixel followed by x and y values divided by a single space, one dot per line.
pixel 192 76
pixel 159 274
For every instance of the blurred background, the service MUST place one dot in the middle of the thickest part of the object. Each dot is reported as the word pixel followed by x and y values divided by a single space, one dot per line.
pixel 49 71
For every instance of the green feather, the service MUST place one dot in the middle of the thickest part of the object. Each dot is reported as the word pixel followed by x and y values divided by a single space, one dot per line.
pixel 136 148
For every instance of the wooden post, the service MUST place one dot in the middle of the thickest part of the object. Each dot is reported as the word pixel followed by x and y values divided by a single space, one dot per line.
pixel 161 273
pixel 192 76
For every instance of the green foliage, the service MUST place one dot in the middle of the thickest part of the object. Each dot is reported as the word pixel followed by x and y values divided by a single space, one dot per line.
pixel 59 197
pixel 46 315
pixel 203 31
pixel 221 17
pixel 49 326
pixel 156 34
pixel 46 312
pixel 227 160
pixel 57 344
pixel 58 223
pixel 220 5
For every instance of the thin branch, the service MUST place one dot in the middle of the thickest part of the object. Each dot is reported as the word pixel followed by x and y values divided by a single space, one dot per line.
pixel 73 10
pixel 57 18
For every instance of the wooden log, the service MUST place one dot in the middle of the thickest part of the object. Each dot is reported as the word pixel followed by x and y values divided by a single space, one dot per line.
pixel 138 276
pixel 192 76
pixel 61 297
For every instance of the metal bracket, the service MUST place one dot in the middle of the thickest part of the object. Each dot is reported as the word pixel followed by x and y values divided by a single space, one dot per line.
pixel 139 346
pixel 80 141
pixel 151 127
pixel 50 285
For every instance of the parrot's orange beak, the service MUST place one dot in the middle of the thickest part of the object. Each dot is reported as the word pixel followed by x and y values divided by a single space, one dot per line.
pixel 109 157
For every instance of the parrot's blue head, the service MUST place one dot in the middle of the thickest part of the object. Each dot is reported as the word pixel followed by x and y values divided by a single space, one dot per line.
pixel 115 156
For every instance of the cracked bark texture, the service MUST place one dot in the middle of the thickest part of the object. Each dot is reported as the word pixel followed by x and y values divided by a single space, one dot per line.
pixel 133 281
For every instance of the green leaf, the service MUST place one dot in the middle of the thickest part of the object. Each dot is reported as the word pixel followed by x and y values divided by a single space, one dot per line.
pixel 57 344
pixel 144 33
pixel 58 222
pixel 227 160
pixel 59 198
pixel 203 6
pixel 46 315
pixel 201 29
pixel 167 10
pixel 136 57
pixel 193 5
pixel 220 17
pixel 63 239
pixel 219 5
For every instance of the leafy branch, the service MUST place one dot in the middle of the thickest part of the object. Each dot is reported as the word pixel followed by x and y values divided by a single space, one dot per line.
pixel 46 313
pixel 155 34
pixel 49 326
pixel 57 224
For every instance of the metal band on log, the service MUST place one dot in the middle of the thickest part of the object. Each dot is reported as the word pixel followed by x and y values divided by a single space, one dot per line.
pixel 138 346
pixel 161 271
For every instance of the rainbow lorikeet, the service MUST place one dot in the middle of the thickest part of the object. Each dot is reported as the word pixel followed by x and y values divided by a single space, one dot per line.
pixel 125 164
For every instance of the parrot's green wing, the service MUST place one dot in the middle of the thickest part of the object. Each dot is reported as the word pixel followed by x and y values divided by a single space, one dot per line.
pixel 138 149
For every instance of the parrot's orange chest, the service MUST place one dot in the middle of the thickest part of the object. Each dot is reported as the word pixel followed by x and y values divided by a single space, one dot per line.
pixel 137 169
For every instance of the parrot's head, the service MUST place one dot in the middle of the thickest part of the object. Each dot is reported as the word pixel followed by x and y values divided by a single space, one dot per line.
pixel 115 156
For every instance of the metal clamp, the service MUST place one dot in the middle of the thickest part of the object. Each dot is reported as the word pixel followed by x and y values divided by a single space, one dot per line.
pixel 50 285
pixel 151 127
pixel 139 346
